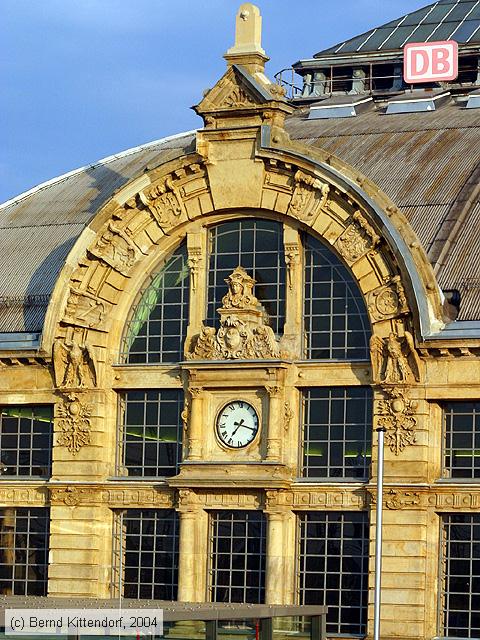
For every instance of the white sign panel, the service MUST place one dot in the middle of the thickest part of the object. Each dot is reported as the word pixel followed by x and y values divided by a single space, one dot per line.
pixel 430 61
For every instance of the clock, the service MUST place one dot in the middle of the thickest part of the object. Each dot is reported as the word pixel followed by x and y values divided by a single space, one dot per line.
pixel 237 424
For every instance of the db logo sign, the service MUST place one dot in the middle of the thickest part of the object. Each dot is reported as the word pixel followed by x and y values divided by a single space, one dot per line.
pixel 430 61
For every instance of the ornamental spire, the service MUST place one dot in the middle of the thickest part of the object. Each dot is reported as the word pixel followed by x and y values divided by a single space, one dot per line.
pixel 247 50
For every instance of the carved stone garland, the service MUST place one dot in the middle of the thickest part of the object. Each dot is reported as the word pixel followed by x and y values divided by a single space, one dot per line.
pixel 397 417
pixel 243 332
pixel 74 422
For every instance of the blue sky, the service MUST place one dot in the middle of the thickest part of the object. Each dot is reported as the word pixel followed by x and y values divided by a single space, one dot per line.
pixel 83 79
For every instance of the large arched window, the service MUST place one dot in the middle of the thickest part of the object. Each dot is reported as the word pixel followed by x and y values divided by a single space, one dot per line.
pixel 157 326
pixel 335 316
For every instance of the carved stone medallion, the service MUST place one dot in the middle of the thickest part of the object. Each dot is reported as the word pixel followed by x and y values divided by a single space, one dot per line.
pixel 388 301
pixel 357 239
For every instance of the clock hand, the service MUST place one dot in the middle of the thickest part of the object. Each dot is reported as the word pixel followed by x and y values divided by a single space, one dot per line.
pixel 238 425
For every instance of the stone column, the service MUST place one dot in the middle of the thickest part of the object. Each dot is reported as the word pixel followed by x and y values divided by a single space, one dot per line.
pixel 195 426
pixel 292 334
pixel 280 561
pixel 193 545
pixel 197 250
pixel 275 424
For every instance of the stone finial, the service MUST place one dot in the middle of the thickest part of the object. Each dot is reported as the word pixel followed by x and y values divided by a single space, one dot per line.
pixel 248 31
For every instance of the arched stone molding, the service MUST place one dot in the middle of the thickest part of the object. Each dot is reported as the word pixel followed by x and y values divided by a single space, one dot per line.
pixel 147 219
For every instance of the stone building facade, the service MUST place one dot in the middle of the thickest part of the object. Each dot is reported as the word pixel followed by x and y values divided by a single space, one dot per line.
pixel 190 412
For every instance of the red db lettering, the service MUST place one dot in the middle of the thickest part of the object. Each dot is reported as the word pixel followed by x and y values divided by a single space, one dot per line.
pixel 419 63
pixel 440 62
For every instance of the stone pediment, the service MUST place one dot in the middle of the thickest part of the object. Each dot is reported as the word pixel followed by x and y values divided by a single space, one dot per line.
pixel 238 89
pixel 244 332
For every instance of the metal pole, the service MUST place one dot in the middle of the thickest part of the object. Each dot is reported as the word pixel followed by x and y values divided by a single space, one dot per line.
pixel 378 537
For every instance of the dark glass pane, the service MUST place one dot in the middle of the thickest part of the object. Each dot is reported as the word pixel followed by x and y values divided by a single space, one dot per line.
pixel 161 313
pixel 257 246
pixel 26 441
pixel 335 315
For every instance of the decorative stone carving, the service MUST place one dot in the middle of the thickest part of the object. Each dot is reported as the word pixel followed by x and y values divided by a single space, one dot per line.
pixel 397 417
pixel 292 259
pixel 74 422
pixel 84 309
pixel 243 332
pixel 70 496
pixel 193 262
pixel 287 416
pixel 165 203
pixel 388 301
pixel 237 98
pixel 309 196
pixel 116 248
pixel 273 391
pixel 357 239
pixel 394 359
pixel 74 364
pixel 401 499
pixel 184 416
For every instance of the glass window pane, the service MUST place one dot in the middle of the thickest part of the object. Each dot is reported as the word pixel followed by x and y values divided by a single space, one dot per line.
pixel 461 440
pixel 26 441
pixel 146 551
pixel 337 432
pixel 237 556
pixel 151 444
pixel 461 563
pixel 257 246
pixel 335 574
pixel 24 551
pixel 158 323
pixel 335 316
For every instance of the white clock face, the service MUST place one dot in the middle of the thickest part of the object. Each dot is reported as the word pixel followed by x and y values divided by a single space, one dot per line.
pixel 237 424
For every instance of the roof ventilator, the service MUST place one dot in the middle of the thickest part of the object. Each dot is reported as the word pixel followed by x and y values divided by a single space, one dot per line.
pixel 340 107
pixel 474 100
pixel 418 101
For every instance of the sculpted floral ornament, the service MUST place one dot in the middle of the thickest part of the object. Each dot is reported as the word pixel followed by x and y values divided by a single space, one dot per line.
pixel 395 359
pixel 74 423
pixel 397 418
pixel 243 332
pixel 74 364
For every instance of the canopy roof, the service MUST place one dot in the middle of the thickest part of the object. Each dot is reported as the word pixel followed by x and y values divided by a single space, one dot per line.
pixel 443 20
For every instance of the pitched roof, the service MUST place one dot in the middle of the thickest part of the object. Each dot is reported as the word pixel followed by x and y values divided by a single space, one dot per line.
pixel 443 20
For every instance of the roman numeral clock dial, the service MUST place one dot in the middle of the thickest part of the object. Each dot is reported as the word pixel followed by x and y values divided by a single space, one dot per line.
pixel 237 424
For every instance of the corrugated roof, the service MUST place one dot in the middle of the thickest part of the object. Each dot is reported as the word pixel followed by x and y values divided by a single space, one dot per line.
pixel 425 163
pixel 444 20
pixel 39 227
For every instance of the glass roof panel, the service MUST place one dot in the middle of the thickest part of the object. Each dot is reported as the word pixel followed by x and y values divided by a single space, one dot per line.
pixel 416 17
pixel 444 31
pixel 396 40
pixel 475 15
pixel 376 40
pixel 422 33
pixel 466 30
pixel 461 10
pixel 353 44
pixel 439 12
